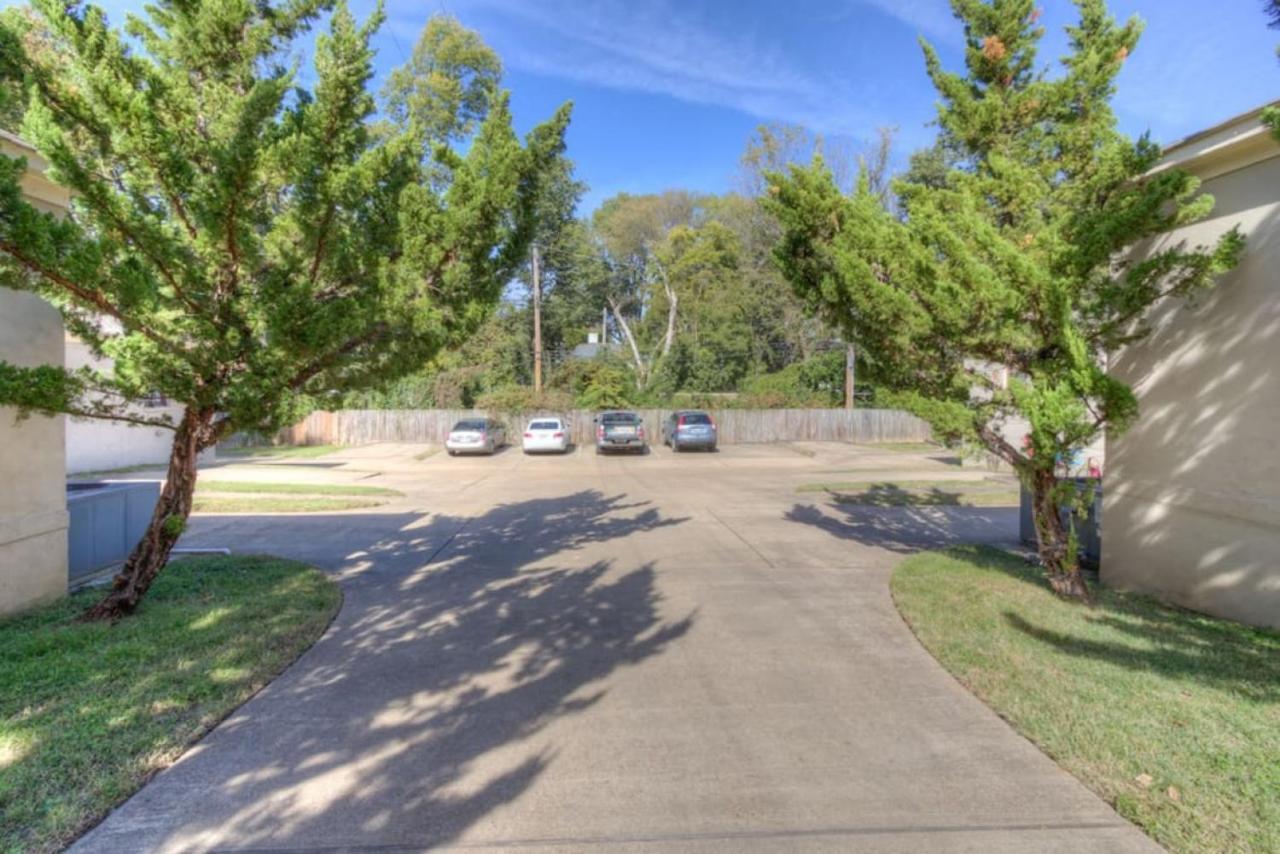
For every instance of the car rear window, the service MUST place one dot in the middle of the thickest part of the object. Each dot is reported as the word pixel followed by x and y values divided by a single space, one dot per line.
pixel 544 425
pixel 469 425
pixel 695 418
pixel 620 418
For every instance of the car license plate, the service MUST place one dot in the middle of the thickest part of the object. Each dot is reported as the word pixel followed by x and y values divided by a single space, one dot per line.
pixel 624 431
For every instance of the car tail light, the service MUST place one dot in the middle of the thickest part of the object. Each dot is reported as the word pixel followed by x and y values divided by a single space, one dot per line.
pixel 528 435
pixel 557 435
pixel 600 432
pixel 640 432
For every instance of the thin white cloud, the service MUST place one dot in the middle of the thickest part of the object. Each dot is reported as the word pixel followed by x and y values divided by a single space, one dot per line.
pixel 663 48
pixel 932 18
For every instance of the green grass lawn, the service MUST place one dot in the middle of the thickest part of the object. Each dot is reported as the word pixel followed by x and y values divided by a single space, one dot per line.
pixel 268 488
pixel 1171 716
pixel 296 452
pixel 205 503
pixel 88 712
pixel 915 493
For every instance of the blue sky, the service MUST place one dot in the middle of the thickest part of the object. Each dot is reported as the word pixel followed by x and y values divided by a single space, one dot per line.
pixel 667 92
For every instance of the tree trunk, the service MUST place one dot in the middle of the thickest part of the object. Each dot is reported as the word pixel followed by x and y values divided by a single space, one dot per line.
pixel 631 340
pixel 672 302
pixel 1058 550
pixel 149 556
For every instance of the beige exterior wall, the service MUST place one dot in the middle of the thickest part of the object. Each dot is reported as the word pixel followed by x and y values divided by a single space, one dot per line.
pixel 1192 491
pixel 33 505
pixel 98 445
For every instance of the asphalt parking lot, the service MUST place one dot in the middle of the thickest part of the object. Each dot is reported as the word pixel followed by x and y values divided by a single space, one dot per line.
pixel 669 652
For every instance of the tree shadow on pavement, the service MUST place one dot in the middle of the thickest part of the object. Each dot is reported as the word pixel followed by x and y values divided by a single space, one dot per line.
pixel 423 709
pixel 910 529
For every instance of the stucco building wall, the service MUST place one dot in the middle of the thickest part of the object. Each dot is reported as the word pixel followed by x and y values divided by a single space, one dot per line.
pixel 1192 491
pixel 33 507
pixel 97 445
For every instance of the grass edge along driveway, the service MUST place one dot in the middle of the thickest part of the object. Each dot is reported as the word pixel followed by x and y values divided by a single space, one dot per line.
pixel 89 712
pixel 1171 716
pixel 237 496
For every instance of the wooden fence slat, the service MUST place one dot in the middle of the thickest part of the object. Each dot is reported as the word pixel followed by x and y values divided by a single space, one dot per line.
pixel 736 426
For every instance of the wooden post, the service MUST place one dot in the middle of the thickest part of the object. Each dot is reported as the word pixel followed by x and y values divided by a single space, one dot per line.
pixel 537 325
pixel 850 364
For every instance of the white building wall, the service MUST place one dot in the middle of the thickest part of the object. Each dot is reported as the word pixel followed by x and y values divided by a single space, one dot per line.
pixel 94 445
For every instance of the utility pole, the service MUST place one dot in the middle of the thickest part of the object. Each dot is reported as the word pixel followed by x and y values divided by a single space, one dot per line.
pixel 850 365
pixel 604 325
pixel 537 324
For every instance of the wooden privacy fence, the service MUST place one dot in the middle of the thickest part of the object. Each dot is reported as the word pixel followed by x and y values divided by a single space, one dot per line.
pixel 363 426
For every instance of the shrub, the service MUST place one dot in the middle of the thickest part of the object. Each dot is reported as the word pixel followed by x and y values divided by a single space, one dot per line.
pixel 518 399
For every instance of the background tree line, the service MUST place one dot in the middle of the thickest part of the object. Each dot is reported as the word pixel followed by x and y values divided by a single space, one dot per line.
pixel 679 288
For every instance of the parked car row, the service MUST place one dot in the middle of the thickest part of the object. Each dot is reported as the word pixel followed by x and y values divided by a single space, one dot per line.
pixel 615 430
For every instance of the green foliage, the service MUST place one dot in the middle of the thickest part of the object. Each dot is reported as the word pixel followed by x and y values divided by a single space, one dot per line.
pixel 815 382
pixel 520 399
pixel 1015 255
pixel 695 302
pixel 602 383
pixel 243 245
pixel 608 388
pixel 20 29
pixel 446 88
pixel 174 526
pixel 712 349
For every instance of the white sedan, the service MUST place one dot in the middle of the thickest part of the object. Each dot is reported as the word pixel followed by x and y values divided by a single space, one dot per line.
pixel 546 434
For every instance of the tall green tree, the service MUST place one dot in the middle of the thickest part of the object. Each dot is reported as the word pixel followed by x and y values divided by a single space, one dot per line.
pixel 448 85
pixel 1017 260
pixel 626 230
pixel 238 243
pixel 710 346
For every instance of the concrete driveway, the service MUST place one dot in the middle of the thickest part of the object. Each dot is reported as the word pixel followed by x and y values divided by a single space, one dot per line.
pixel 660 653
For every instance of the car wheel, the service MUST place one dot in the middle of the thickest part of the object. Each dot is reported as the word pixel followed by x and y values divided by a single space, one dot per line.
pixel 452 452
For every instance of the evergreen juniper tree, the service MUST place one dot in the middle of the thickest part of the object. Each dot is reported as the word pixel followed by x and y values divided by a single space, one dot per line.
pixel 239 243
pixel 1017 259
